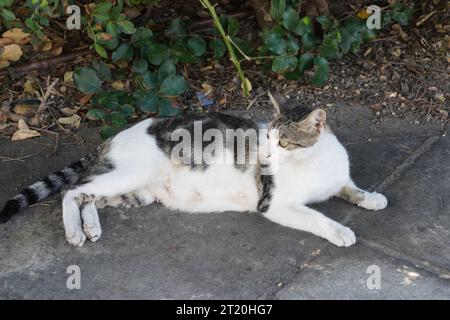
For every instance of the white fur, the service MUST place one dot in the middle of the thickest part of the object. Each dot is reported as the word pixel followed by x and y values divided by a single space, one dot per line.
pixel 302 176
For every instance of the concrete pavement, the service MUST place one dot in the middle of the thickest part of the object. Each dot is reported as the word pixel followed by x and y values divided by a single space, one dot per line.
pixel 155 253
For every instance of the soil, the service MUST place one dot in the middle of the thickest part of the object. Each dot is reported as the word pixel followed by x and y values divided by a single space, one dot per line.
pixel 403 73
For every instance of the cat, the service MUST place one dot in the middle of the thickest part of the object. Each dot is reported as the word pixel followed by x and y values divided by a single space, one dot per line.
pixel 137 167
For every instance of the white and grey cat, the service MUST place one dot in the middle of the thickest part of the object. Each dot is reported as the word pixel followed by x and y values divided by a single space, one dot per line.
pixel 135 168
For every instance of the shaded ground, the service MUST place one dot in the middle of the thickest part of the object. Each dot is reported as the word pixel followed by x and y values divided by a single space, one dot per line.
pixel 156 253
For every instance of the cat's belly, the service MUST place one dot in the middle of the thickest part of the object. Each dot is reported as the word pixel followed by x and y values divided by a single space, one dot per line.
pixel 216 189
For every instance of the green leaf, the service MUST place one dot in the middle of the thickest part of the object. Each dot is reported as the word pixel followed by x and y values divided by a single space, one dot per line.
pixel 101 51
pixel 86 80
pixel 244 45
pixel 108 101
pixel 33 25
pixel 321 71
pixel 96 114
pixel 123 52
pixel 352 34
pixel 165 108
pixel 173 86
pixel 103 72
pixel 303 27
pixel 282 64
pixel 290 19
pixel 166 69
pixel 325 22
pixel 176 28
pixel 158 53
pixel 330 46
pixel 6 3
pixel 8 15
pixel 197 45
pixel 107 132
pixel 127 110
pixel 292 44
pixel 277 8
pixel 142 37
pixel 140 66
pixel 403 14
pixel 309 41
pixel 150 81
pixel 219 48
pixel 293 75
pixel 116 119
pixel 102 8
pixel 145 100
pixel 182 54
pixel 126 26
pixel 274 41
pixel 232 26
pixel 108 44
pixel 305 62
pixel 112 28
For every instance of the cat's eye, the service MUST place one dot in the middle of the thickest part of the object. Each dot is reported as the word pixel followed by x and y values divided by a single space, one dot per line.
pixel 283 144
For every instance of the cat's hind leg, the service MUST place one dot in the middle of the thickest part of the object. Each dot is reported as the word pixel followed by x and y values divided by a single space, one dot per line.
pixel 133 199
pixel 367 200
pixel 105 185
pixel 300 217
pixel 91 223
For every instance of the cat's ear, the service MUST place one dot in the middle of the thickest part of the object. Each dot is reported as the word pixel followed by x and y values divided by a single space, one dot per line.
pixel 278 102
pixel 316 120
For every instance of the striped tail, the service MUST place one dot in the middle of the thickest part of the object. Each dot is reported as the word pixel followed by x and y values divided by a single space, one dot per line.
pixel 53 183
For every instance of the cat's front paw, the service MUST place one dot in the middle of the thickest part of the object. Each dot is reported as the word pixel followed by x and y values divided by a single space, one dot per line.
pixel 341 236
pixel 374 201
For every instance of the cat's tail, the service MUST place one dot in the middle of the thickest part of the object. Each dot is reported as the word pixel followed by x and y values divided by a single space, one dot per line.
pixel 53 183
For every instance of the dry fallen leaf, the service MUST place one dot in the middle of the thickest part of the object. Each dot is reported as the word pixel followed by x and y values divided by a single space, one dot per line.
pixel 68 111
pixel 73 120
pixel 207 89
pixel 30 86
pixel 132 12
pixel 45 45
pixel 400 31
pixel 68 76
pixel 85 99
pixel 18 36
pixel 104 36
pixel 118 85
pixel 5 41
pixel 12 52
pixel 21 124
pixel 396 52
pixel 23 134
pixel 4 64
pixel 363 14
pixel 25 110
pixel 3 116
pixel 57 46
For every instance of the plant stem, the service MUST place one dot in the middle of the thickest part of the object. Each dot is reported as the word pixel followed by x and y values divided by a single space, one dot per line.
pixel 226 40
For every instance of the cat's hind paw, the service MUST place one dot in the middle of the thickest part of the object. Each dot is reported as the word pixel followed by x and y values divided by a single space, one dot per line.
pixel 342 236
pixel 77 238
pixel 373 201
pixel 91 222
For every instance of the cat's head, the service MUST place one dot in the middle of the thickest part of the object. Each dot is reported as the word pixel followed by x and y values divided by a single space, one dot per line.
pixel 298 127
